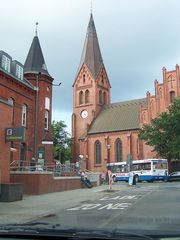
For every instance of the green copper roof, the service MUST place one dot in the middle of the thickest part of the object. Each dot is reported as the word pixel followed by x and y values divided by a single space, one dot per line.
pixel 118 117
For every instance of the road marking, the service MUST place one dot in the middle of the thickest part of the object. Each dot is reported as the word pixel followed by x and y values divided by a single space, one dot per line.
pixel 113 206
pixel 84 207
pixel 110 206
pixel 126 197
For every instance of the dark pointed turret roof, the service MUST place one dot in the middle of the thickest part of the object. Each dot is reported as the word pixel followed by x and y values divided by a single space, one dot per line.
pixel 91 55
pixel 35 61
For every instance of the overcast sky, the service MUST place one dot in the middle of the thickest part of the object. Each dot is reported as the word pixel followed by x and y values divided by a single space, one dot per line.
pixel 137 38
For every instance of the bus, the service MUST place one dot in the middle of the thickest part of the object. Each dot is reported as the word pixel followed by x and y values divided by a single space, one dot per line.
pixel 144 170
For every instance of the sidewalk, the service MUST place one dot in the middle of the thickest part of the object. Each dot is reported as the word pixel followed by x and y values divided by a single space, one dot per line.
pixel 35 206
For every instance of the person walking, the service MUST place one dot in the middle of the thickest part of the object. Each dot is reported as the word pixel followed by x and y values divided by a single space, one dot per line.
pixel 110 179
pixel 103 177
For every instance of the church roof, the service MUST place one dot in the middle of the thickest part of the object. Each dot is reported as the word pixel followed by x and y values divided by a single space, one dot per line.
pixel 118 117
pixel 35 61
pixel 91 55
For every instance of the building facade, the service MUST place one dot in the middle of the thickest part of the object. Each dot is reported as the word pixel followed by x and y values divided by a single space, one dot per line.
pixel 26 109
pixel 165 93
pixel 106 132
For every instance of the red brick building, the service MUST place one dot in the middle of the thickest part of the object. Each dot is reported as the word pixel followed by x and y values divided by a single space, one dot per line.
pixel 165 92
pixel 25 111
pixel 108 132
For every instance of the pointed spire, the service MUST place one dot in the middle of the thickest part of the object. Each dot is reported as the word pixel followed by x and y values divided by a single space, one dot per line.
pixel 91 55
pixel 35 61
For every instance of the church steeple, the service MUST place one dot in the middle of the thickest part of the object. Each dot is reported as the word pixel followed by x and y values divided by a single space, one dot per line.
pixel 91 90
pixel 91 55
pixel 35 61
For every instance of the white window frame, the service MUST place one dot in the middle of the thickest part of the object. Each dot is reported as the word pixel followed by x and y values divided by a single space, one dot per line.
pixel 6 63
pixel 47 103
pixel 19 71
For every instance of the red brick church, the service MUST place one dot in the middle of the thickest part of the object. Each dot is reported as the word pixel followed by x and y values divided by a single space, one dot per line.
pixel 25 111
pixel 106 132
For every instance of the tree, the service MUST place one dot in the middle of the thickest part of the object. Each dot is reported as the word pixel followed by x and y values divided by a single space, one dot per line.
pixel 61 141
pixel 163 133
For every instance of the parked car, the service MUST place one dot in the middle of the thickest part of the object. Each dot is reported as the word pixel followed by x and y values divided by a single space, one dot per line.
pixel 174 176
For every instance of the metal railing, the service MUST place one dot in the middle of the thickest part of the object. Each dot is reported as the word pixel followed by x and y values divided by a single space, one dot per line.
pixel 56 169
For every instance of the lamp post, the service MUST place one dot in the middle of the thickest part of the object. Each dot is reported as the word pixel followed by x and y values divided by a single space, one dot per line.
pixel 36 116
pixel 108 152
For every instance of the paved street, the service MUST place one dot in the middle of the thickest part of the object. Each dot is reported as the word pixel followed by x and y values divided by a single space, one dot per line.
pixel 144 206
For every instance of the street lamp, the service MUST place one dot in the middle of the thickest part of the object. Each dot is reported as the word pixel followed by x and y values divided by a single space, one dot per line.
pixel 36 115
pixel 108 152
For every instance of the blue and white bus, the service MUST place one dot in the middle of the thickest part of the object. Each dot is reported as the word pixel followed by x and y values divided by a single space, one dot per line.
pixel 144 170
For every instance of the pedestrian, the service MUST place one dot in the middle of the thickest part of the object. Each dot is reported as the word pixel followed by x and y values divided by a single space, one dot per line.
pixel 82 175
pixel 103 177
pixel 110 179
pixel 85 179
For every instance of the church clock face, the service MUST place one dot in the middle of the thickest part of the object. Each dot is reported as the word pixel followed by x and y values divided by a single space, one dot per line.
pixel 84 114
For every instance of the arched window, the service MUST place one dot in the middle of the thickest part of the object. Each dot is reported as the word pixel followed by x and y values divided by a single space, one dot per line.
pixel 104 97
pixel 118 150
pixel 11 101
pixel 24 115
pixel 97 152
pixel 87 96
pixel 84 78
pixel 102 80
pixel 172 96
pixel 100 97
pixel 81 95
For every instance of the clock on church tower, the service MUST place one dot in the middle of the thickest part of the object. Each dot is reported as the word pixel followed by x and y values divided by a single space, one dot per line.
pixel 84 114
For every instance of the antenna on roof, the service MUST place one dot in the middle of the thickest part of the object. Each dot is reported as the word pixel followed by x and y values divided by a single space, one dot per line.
pixel 36 27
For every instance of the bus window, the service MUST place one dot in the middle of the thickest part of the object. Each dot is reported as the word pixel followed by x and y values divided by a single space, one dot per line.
pixel 147 166
pixel 141 166
pixel 159 165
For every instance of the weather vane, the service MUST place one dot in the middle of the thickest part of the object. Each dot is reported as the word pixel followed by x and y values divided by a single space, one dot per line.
pixel 36 27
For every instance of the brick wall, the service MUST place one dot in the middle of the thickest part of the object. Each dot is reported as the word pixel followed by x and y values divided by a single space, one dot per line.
pixel 39 183
pixel 85 82
pixel 44 90
pixel 130 145
pixel 21 94
pixel 5 120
